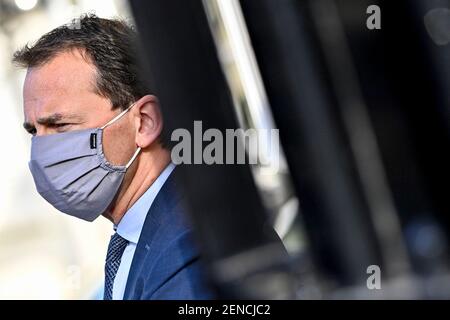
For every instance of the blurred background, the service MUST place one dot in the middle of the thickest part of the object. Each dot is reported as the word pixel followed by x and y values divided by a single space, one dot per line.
pixel 364 122
pixel 43 254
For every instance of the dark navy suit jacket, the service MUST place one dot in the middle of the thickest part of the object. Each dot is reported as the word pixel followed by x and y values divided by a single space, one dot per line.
pixel 166 263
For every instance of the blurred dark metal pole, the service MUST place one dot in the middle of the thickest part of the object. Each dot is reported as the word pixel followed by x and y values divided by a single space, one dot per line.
pixel 245 257
pixel 322 167
pixel 416 64
pixel 362 138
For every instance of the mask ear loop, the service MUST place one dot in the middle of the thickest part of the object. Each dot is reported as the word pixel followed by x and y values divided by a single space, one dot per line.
pixel 116 118
pixel 120 115
pixel 133 158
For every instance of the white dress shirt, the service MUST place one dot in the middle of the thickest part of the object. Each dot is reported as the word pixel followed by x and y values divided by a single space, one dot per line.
pixel 130 228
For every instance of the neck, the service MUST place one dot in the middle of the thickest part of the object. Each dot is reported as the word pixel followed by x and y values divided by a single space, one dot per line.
pixel 147 168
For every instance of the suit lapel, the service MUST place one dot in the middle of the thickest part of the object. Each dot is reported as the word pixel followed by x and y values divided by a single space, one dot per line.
pixel 164 201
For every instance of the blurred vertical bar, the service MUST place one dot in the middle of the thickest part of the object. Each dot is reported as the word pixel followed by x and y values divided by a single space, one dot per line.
pixel 361 137
pixel 323 170
pixel 412 122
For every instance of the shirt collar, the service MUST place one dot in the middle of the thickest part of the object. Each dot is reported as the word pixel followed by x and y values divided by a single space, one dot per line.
pixel 130 226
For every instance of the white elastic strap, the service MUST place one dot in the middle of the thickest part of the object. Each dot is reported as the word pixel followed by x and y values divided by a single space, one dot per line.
pixel 120 115
pixel 133 158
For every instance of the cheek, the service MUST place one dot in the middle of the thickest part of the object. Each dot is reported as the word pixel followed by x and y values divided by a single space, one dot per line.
pixel 118 144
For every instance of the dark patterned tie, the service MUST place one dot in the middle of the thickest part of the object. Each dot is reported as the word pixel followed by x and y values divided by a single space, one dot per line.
pixel 116 247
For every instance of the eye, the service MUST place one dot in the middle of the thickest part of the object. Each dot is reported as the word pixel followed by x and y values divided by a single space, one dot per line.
pixel 61 126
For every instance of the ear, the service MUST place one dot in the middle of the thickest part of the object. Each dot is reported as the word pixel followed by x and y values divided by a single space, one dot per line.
pixel 148 120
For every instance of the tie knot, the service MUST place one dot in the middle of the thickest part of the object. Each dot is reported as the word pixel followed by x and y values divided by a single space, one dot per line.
pixel 116 247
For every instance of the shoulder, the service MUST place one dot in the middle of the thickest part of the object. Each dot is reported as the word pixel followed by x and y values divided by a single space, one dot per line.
pixel 173 267
pixel 177 271
pixel 168 253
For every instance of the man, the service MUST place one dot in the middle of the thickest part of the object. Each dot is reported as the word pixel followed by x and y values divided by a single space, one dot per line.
pixel 97 150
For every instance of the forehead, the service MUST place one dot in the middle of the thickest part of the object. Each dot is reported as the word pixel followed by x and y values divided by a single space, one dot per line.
pixel 64 82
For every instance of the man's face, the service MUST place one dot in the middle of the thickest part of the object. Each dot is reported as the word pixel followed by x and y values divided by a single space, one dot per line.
pixel 60 96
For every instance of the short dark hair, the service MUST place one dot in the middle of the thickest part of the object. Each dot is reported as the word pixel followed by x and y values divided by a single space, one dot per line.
pixel 109 44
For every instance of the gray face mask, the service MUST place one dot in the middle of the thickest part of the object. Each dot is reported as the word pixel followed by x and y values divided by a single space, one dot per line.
pixel 71 172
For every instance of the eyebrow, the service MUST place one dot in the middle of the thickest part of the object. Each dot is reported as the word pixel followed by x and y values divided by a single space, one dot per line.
pixel 50 120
